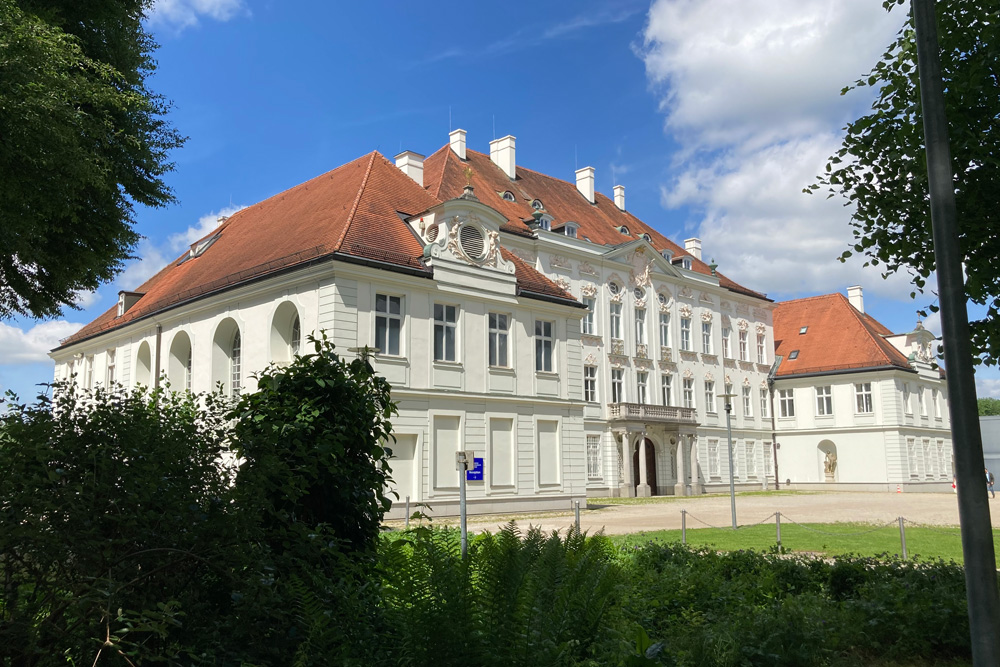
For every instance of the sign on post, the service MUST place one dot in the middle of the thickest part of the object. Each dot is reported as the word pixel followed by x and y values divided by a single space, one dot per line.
pixel 475 473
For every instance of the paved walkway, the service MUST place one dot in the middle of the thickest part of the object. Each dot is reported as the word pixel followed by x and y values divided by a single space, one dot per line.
pixel 930 508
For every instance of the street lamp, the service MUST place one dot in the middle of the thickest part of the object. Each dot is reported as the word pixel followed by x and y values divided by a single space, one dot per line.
pixel 729 430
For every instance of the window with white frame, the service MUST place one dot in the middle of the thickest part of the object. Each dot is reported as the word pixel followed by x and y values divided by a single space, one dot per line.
pixel 935 398
pixel 727 350
pixel 388 323
pixel 615 312
pixel 706 337
pixel 929 460
pixel 943 457
pixel 751 452
pixel 863 398
pixel 710 397
pixel 686 333
pixel 544 342
pixel 764 403
pixel 666 389
pixel 761 350
pixel 921 401
pixel 688 392
pixel 236 365
pixel 747 402
pixel 588 319
pixel 911 457
pixel 640 326
pixel 665 329
pixel 296 345
pixel 786 402
pixel 111 367
pixel 714 467
pixel 590 384
pixel 593 456
pixel 641 386
pixel 824 401
pixel 499 326
pixel 744 352
pixel 445 332
pixel 768 459
pixel 907 405
pixel 89 373
pixel 187 368
pixel 617 387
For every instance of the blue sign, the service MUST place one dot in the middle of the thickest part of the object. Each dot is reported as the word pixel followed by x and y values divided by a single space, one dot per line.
pixel 476 474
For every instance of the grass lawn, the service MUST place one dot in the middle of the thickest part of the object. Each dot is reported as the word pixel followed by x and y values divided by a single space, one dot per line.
pixel 820 538
pixel 660 500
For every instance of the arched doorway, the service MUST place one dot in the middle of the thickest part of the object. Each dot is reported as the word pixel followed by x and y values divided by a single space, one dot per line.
pixel 650 467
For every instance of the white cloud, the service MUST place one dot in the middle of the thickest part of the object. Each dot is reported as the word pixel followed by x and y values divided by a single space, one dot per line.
pixel 751 92
pixel 20 346
pixel 151 259
pixel 987 387
pixel 202 228
pixel 181 14
pixel 85 299
pixel 933 323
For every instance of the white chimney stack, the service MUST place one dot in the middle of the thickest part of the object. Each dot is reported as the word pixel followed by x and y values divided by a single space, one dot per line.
pixel 585 182
pixel 620 196
pixel 412 164
pixel 693 246
pixel 457 141
pixel 856 296
pixel 502 154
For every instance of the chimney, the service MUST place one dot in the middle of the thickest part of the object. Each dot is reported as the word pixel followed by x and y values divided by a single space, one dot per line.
pixel 693 246
pixel 585 182
pixel 502 154
pixel 457 141
pixel 620 196
pixel 412 164
pixel 856 297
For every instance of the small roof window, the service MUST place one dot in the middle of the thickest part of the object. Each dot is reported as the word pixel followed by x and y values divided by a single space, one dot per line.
pixel 794 354
pixel 537 205
pixel 624 230
pixel 508 196
pixel 647 238
pixel 803 330
pixel 686 263
pixel 639 293
pixel 569 229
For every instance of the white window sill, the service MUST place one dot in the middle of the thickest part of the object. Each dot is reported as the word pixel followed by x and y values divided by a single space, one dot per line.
pixel 391 359
pixel 447 364
pixel 547 374
pixel 501 370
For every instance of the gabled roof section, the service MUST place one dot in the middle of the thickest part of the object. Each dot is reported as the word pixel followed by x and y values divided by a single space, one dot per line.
pixel 838 338
pixel 444 175
pixel 531 282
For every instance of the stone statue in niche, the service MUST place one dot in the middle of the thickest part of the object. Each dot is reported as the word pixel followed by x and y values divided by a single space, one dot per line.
pixel 830 464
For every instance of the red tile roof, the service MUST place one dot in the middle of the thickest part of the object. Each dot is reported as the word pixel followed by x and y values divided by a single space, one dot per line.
pixel 838 338
pixel 444 176
pixel 351 211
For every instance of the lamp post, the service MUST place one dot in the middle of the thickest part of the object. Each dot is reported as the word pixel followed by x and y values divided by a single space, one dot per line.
pixel 729 431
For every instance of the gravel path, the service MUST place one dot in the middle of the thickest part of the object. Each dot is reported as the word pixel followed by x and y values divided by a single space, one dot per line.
pixel 665 513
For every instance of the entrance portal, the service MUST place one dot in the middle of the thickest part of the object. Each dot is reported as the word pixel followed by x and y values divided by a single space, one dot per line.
pixel 650 467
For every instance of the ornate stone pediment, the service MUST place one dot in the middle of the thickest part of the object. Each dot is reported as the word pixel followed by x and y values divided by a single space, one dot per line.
pixel 742 324
pixel 709 377
pixel 688 373
pixel 563 283
pixel 685 310
pixel 761 328
pixel 559 262
pixel 471 240
pixel 686 293
pixel 639 276
pixel 589 290
pixel 704 297
pixel 707 315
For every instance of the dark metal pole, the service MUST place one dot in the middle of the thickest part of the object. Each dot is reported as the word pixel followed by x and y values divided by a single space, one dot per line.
pixel 973 505
pixel 732 484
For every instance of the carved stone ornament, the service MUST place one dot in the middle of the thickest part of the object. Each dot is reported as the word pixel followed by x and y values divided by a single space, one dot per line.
pixel 617 361
pixel 685 310
pixel 617 346
pixel 643 363
pixel 688 373
pixel 559 262
pixel 525 255
pixel 563 283
pixel 665 307
pixel 665 353
pixel 590 360
pixel 742 309
pixel 666 365
pixel 729 379
pixel 707 315
pixel 763 384
pixel 452 243
pixel 642 351
pixel 725 305
pixel 705 298
pixel 746 382
pixel 615 279
pixel 709 377
pixel 589 290
pixel 686 292
pixel 742 324
pixel 761 328
pixel 586 269
pixel 641 267
pixel 760 314
pixel 924 353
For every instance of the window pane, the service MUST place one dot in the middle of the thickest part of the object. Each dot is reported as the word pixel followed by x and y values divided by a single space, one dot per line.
pixel 379 303
pixel 393 347
pixel 438 312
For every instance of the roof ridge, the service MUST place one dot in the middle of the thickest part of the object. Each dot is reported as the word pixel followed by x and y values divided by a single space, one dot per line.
pixel 357 201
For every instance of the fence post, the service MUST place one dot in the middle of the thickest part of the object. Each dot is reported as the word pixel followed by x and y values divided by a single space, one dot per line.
pixel 407 512
pixel 777 524
pixel 577 508
pixel 684 532
pixel 902 537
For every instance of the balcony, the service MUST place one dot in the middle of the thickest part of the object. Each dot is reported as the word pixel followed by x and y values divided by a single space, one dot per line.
pixel 660 414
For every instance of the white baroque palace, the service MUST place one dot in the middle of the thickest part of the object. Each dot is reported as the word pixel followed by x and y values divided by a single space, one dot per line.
pixel 532 320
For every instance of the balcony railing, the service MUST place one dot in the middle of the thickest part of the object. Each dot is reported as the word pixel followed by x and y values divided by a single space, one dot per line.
pixel 651 413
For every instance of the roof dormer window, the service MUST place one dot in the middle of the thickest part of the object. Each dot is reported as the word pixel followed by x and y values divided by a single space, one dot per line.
pixel 570 229
pixel 667 254
pixel 647 238
pixel 624 230
pixel 508 196
pixel 545 222
pixel 537 205
pixel 685 263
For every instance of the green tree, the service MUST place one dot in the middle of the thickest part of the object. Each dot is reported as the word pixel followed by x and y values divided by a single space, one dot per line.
pixel 82 140
pixel 989 407
pixel 881 166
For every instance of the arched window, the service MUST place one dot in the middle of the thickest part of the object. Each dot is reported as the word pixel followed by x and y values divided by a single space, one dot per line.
pixel 508 196
pixel 143 365
pixel 286 333
pixel 227 358
pixel 179 361
pixel 236 365
pixel 296 335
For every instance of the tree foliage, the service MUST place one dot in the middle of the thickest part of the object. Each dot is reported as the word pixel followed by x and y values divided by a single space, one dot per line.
pixel 82 140
pixel 881 166
pixel 989 407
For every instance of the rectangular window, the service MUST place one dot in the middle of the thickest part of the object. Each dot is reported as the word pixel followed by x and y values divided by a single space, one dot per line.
pixel 593 456
pixel 588 319
pixel 937 404
pixel 664 329
pixel 706 337
pixel 686 333
pixel 616 320
pixel 689 393
pixel 710 397
pixel 388 323
pixel 911 456
pixel 764 404
pixel 747 402
pixel 111 367
pixel 929 460
pixel 89 373
pixel 617 393
pixel 923 403
pixel 714 469
pixel 666 388
pixel 768 459
pixel 750 450
pixel 445 444
pixel 641 385
pixel 502 459
pixel 744 353
pixel 549 455
pixel 907 406
pixel 499 326
pixel 727 350
pixel 863 397
pixel 761 350
pixel 786 403
pixel 640 326
pixel 544 343
pixel 824 401
pixel 590 384
pixel 445 332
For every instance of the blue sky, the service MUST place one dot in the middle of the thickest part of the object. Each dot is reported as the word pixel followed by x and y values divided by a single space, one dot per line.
pixel 714 114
